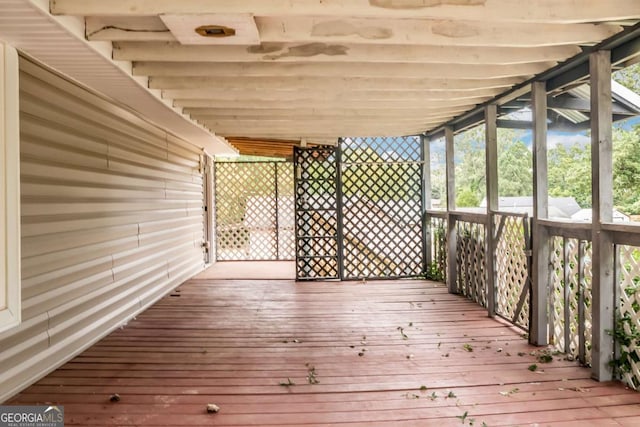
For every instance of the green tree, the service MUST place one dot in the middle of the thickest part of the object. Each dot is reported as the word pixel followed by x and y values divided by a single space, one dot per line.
pixel 570 173
pixel 467 199
pixel 626 170
pixel 515 162
pixel 514 166
pixel 470 164
pixel 629 77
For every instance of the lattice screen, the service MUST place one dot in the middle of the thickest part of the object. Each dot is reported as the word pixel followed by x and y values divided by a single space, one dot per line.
pixel 254 213
pixel 286 212
pixel 437 270
pixel 629 312
pixel 470 262
pixel 316 213
pixel 570 297
pixel 513 282
pixel 382 207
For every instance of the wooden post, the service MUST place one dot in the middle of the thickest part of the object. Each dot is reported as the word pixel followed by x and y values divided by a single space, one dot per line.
pixel 539 325
pixel 452 277
pixel 427 256
pixel 602 183
pixel 491 153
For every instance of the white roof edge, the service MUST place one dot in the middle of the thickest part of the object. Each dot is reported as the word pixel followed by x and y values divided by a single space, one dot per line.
pixel 132 91
pixel 627 94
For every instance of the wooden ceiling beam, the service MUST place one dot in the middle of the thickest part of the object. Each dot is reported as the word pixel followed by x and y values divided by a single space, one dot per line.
pixel 319 95
pixel 337 52
pixel 331 69
pixel 337 84
pixel 337 112
pixel 551 11
pixel 325 118
pixel 371 31
pixel 354 103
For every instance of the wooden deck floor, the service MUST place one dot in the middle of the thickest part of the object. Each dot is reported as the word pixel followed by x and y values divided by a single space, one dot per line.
pixel 371 347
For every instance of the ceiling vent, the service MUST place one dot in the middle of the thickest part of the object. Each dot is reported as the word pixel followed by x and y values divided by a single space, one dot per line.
pixel 213 29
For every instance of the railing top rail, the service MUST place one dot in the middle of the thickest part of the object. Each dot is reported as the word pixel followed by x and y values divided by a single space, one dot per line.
pixel 437 213
pixel 624 234
pixel 480 218
pixel 515 214
pixel 575 230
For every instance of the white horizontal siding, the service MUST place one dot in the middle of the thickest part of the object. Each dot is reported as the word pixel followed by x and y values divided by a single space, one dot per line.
pixel 112 219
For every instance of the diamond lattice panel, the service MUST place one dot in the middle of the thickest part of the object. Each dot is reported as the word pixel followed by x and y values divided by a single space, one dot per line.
pixel 556 293
pixel 570 297
pixel 438 267
pixel 316 213
pixel 286 212
pixel 470 263
pixel 254 211
pixel 629 312
pixel 381 207
pixel 512 269
pixel 245 211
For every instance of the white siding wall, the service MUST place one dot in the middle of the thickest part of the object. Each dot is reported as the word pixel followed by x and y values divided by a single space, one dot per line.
pixel 111 221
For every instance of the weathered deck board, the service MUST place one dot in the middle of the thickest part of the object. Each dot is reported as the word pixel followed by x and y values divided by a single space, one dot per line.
pixel 233 342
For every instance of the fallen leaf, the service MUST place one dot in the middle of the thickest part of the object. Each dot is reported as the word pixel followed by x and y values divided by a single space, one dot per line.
pixel 287 383
pixel 580 389
pixel 212 408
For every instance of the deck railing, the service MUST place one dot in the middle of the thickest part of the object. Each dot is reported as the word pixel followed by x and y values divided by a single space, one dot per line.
pixel 513 267
pixel 626 239
pixel 436 224
pixel 569 285
pixel 471 276
pixel 511 246
pixel 569 289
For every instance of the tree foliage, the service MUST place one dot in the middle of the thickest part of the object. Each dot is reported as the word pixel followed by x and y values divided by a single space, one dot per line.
pixel 626 170
pixel 515 163
pixel 569 172
pixel 629 77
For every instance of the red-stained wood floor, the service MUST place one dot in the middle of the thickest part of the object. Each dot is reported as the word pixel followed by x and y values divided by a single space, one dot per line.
pixel 387 353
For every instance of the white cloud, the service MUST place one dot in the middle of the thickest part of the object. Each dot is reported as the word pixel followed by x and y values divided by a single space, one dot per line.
pixel 567 139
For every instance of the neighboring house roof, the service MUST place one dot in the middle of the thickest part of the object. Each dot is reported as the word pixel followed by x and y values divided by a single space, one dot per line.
pixel 586 215
pixel 559 207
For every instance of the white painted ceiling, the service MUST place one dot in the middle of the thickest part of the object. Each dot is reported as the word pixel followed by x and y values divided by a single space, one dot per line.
pixel 330 68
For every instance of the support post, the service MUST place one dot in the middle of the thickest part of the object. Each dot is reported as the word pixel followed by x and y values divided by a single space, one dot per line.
pixel 491 152
pixel 340 211
pixel 539 325
pixel 452 276
pixel 427 256
pixel 602 183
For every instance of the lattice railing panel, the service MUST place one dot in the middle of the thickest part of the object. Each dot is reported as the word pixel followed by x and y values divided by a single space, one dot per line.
pixel 382 207
pixel 556 292
pixel 316 213
pixel 629 313
pixel 437 270
pixel 587 277
pixel 470 262
pixel 513 282
pixel 570 297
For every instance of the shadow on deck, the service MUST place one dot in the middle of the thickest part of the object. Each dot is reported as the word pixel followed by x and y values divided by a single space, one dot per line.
pixel 371 347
